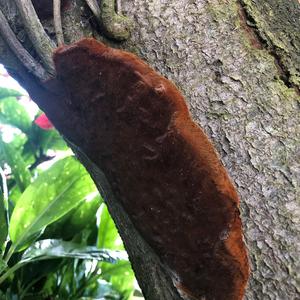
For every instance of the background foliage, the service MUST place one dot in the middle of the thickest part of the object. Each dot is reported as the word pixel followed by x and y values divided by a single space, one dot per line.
pixel 57 240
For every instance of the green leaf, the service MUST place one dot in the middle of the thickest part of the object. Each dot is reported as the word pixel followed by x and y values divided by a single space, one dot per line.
pixel 14 194
pixel 18 167
pixel 52 140
pixel 108 236
pixel 100 289
pixel 79 218
pixel 46 139
pixel 14 114
pixel 53 194
pixel 21 145
pixel 19 141
pixel 3 223
pixel 120 276
pixel 85 212
pixel 4 93
pixel 48 249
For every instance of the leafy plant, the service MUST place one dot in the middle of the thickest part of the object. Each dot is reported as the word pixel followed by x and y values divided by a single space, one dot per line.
pixel 57 239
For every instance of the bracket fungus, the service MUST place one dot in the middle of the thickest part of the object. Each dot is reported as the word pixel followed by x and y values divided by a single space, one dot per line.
pixel 160 165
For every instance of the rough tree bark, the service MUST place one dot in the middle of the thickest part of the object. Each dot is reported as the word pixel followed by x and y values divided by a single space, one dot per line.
pixel 238 65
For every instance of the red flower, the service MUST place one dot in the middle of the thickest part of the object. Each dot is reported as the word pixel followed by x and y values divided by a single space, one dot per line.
pixel 43 122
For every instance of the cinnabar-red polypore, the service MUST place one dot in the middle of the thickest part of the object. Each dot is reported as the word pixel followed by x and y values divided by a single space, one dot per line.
pixel 160 165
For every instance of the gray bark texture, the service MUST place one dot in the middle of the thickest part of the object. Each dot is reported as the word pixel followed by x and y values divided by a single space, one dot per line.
pixel 238 65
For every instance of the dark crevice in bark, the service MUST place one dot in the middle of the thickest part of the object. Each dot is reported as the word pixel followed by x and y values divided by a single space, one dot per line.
pixel 249 26
pixel 259 41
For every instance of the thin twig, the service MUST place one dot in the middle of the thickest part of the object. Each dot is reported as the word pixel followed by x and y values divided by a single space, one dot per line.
pixel 94 7
pixel 57 22
pixel 40 40
pixel 118 6
pixel 21 53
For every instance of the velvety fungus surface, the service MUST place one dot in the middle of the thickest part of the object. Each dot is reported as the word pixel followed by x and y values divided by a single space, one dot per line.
pixel 160 165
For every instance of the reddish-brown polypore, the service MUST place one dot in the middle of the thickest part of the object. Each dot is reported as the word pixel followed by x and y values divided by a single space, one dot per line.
pixel 160 165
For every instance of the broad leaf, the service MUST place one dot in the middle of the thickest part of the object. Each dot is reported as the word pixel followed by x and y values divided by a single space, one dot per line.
pixel 108 236
pixel 47 249
pixel 46 139
pixel 18 167
pixel 53 140
pixel 14 114
pixel 53 194
pixel 19 141
pixel 25 147
pixel 86 212
pixel 14 194
pixel 101 290
pixel 4 93
pixel 82 216
pixel 120 276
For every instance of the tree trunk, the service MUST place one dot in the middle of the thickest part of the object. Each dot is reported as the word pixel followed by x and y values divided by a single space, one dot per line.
pixel 238 65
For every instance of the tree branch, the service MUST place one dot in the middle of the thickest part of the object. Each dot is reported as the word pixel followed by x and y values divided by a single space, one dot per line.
pixel 118 6
pixel 17 48
pixel 57 22
pixel 94 7
pixel 40 40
